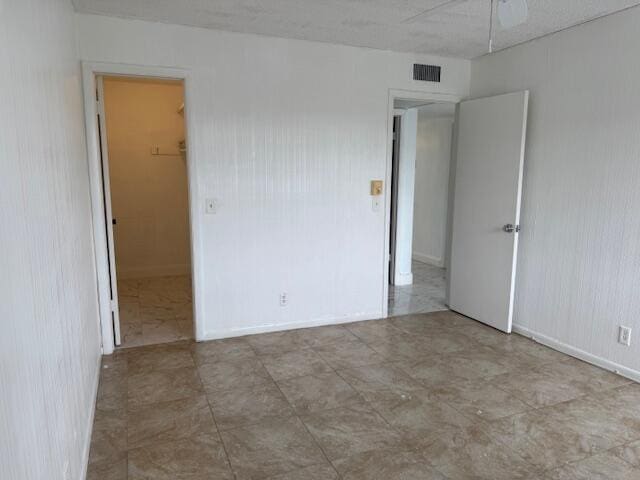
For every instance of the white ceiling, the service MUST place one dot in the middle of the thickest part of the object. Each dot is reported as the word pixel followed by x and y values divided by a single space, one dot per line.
pixel 455 28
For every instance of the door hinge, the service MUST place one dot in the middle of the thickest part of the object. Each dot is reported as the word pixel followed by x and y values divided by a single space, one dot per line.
pixel 114 305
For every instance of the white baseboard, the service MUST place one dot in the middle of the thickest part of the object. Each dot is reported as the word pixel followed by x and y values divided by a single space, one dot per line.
pixel 577 353
pixel 239 332
pixel 403 279
pixel 428 259
pixel 92 415
pixel 153 271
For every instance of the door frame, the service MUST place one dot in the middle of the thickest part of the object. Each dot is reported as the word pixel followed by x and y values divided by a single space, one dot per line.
pixel 399 94
pixel 90 72
pixel 393 199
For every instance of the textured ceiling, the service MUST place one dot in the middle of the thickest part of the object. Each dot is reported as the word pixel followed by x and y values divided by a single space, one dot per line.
pixel 454 28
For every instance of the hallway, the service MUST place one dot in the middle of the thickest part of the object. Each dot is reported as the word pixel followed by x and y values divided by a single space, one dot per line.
pixel 426 294
pixel 155 310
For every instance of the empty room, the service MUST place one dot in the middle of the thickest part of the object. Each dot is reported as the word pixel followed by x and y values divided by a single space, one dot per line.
pixel 282 240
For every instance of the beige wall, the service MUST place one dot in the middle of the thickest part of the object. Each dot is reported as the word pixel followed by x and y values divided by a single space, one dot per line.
pixel 149 193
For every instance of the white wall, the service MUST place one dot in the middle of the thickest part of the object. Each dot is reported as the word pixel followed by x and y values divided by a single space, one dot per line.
pixel 286 135
pixel 149 193
pixel 433 158
pixel 579 259
pixel 50 343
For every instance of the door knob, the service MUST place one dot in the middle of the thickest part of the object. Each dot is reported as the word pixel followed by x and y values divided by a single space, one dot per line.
pixel 509 228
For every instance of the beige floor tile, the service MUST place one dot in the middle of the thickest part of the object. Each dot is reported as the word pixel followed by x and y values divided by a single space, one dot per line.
pixel 245 406
pixel 296 363
pixel 169 421
pixel 241 373
pixel 276 342
pixel 374 330
pixel 351 430
pixel 108 470
pixel 109 438
pixel 583 376
pixel 315 472
pixel 448 369
pixel 195 458
pixel 324 335
pixel 159 357
pixel 386 465
pixel 271 448
pixel 481 399
pixel 537 388
pixel 313 393
pixel 468 453
pixel 226 350
pixel 418 416
pixel 438 396
pixel 546 438
pixel 349 354
pixel 163 385
pixel 630 453
pixel 605 466
pixel 112 387
pixel 380 382
pixel 402 347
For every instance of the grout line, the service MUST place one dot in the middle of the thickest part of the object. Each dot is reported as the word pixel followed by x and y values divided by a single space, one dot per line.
pixel 213 417
pixel 298 417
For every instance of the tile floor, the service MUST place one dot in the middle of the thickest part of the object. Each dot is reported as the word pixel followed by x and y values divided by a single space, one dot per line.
pixel 426 294
pixel 427 396
pixel 155 310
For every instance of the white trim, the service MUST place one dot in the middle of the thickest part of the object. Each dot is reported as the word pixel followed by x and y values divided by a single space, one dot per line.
pixel 395 94
pixel 154 271
pixel 239 332
pixel 108 209
pixel 402 279
pixel 577 353
pixel 428 259
pixel 89 426
pixel 89 72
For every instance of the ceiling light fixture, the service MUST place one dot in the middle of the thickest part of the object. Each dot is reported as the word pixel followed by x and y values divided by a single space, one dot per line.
pixel 511 13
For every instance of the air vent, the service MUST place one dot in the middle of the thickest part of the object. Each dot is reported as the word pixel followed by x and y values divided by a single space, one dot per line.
pixel 426 73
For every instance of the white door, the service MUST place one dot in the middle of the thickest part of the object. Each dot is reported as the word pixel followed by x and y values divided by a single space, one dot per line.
pixel 106 188
pixel 486 209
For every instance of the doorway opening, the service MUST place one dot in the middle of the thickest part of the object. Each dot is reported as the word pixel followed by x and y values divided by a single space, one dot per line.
pixel 420 205
pixel 142 135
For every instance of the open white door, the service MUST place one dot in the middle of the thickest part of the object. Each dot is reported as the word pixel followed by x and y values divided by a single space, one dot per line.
pixel 106 188
pixel 486 210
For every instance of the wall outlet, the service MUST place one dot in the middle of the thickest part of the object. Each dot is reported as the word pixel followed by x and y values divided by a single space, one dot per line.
pixel 624 336
pixel 284 299
pixel 210 206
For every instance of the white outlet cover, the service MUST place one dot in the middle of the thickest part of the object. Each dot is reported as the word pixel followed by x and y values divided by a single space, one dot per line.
pixel 624 336
pixel 210 206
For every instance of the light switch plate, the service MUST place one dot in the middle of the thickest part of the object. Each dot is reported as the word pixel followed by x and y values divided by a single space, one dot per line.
pixel 376 187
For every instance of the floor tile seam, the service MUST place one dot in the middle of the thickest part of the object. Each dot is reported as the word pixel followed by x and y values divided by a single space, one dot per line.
pixel 333 371
pixel 611 451
pixel 508 445
pixel 299 418
pixel 582 396
pixel 336 369
pixel 224 446
pixel 523 398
